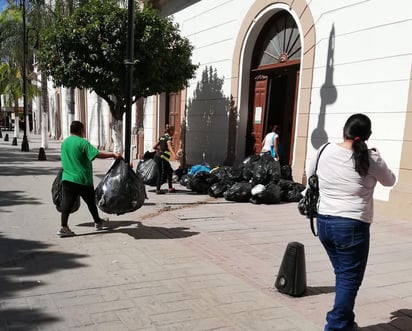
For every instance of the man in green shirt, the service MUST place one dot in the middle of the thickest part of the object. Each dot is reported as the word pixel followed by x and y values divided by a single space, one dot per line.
pixel 77 155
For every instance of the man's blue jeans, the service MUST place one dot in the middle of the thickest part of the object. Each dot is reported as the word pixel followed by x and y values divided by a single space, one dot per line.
pixel 346 242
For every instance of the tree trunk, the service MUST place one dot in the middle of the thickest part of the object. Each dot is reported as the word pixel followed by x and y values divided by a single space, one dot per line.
pixel 16 120
pixel 70 106
pixel 117 135
pixel 27 124
pixel 117 124
pixel 44 110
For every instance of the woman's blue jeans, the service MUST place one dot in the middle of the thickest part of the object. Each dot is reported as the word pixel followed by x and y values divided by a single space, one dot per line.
pixel 346 242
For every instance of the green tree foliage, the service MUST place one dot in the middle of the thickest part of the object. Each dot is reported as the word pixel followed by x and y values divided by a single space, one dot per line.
pixel 11 54
pixel 10 31
pixel 88 50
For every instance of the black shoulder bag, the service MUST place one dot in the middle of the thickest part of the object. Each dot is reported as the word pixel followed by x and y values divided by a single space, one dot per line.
pixel 308 205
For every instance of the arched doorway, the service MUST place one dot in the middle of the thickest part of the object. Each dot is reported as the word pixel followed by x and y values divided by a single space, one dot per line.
pixel 274 80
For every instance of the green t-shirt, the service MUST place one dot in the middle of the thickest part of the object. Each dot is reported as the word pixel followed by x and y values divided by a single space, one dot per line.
pixel 77 155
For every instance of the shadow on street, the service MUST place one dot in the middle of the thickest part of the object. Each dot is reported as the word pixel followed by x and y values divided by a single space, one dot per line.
pixel 12 198
pixel 401 320
pixel 21 261
pixel 141 231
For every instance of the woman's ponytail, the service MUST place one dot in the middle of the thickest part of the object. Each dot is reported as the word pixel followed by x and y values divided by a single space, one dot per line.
pixel 360 157
pixel 358 129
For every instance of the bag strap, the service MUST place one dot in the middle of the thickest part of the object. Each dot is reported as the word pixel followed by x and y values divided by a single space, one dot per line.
pixel 317 160
pixel 312 226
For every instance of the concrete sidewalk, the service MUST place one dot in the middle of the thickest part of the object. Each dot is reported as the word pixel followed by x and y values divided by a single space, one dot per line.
pixel 181 262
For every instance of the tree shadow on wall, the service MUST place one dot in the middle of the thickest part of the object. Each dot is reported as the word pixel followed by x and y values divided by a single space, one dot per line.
pixel 207 121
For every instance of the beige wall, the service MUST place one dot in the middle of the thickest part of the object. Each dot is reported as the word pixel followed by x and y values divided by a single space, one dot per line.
pixel 303 12
pixel 400 202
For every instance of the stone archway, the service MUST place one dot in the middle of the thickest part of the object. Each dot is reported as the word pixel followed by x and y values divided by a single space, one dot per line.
pixel 259 14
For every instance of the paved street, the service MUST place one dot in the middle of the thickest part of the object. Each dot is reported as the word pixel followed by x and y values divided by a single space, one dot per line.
pixel 181 262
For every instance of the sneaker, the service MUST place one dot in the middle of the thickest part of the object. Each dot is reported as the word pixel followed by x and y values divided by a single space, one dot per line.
pixel 160 192
pixel 172 190
pixel 100 225
pixel 65 232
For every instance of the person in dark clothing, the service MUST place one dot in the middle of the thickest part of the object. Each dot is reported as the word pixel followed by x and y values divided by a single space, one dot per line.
pixel 164 146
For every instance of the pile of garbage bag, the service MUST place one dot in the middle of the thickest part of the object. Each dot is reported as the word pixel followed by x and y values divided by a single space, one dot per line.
pixel 259 179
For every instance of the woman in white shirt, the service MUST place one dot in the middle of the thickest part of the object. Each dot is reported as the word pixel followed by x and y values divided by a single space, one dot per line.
pixel 271 142
pixel 348 173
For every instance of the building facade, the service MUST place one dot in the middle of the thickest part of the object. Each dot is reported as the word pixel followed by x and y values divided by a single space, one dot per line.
pixel 303 65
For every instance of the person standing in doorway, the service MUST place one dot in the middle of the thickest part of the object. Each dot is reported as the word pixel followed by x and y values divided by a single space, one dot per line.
pixel 77 155
pixel 271 142
pixel 348 173
pixel 164 146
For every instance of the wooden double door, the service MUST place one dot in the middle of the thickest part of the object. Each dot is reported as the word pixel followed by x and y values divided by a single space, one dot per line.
pixel 274 103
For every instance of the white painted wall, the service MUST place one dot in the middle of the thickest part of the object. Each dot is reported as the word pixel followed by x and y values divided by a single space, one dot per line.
pixel 149 123
pixel 372 62
pixel 212 26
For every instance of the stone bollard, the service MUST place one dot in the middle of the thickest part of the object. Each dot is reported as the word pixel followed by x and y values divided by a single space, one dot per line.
pixel 42 154
pixel 6 137
pixel 14 142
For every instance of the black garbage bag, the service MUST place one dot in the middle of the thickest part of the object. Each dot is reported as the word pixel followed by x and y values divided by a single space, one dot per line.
pixel 121 190
pixel 57 193
pixel 236 175
pixel 219 174
pixel 248 165
pixel 180 172
pixel 217 190
pixel 239 192
pixel 185 180
pixel 266 170
pixel 199 182
pixel 149 155
pixel 291 191
pixel 286 172
pixel 149 171
pixel 267 194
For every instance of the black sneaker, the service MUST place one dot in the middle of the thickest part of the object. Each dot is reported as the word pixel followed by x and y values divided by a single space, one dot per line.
pixel 100 225
pixel 160 192
pixel 65 232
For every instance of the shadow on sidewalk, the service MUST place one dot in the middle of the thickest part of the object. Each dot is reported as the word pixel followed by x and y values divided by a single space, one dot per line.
pixel 14 155
pixel 22 264
pixel 17 163
pixel 319 290
pixel 401 320
pixel 12 198
pixel 141 231
pixel 13 170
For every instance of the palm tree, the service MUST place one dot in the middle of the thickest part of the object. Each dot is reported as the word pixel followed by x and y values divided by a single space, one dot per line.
pixel 11 87
pixel 11 77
